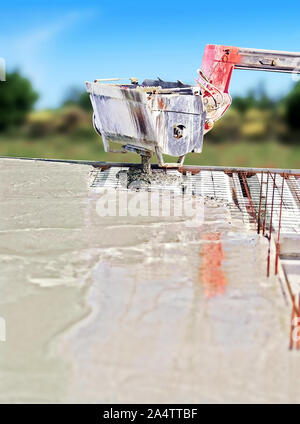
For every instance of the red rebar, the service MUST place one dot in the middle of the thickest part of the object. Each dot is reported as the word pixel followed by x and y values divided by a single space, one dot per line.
pixel 298 341
pixel 270 228
pixel 266 202
pixel 279 228
pixel 248 195
pixel 260 200
pixel 292 329
pixel 292 296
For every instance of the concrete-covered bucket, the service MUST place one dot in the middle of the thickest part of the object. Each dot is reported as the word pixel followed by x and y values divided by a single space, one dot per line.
pixel 164 117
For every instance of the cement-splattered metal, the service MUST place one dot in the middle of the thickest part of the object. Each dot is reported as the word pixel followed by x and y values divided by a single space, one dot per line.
pixel 129 115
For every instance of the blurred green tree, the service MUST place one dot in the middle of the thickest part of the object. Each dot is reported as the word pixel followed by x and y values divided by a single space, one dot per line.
pixel 292 102
pixel 17 98
pixel 242 104
pixel 255 99
pixel 263 101
pixel 76 97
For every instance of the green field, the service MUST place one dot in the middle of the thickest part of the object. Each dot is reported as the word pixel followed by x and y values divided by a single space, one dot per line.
pixel 241 153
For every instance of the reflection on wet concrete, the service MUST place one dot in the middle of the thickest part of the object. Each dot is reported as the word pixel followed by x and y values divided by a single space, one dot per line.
pixel 127 309
pixel 211 271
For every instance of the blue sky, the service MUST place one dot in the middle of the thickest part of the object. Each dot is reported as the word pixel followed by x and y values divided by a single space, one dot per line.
pixel 61 44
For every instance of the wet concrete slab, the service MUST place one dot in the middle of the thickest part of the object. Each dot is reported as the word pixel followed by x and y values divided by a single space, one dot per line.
pixel 133 309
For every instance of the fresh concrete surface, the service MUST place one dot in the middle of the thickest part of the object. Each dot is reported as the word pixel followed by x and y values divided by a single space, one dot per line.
pixel 131 309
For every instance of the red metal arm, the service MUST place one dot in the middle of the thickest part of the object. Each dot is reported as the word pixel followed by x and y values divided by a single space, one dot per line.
pixel 219 63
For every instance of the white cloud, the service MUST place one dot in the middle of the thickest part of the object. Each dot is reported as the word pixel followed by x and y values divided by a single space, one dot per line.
pixel 32 42
pixel 30 48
